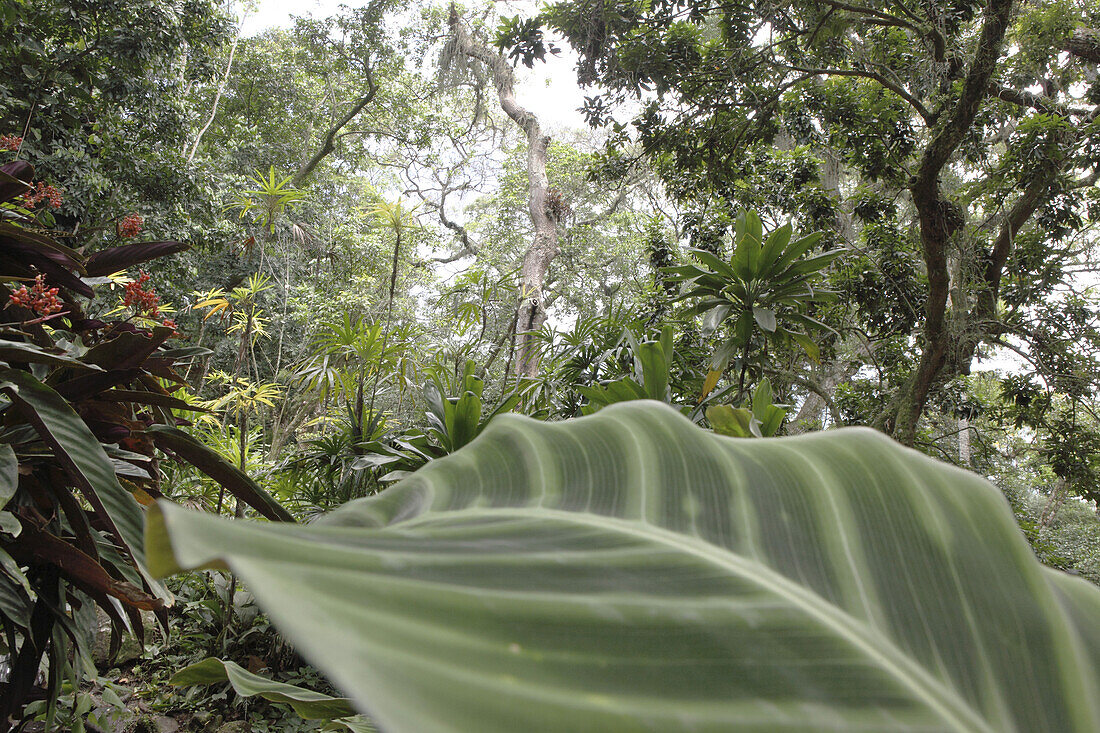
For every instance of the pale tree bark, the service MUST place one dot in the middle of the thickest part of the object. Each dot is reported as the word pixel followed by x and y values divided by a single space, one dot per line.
pixel 1084 43
pixel 831 174
pixel 544 247
pixel 1054 503
pixel 819 397
pixel 964 442
pixel 217 95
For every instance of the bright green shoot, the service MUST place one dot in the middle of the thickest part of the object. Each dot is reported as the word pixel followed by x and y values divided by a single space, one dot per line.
pixel 761 294
pixel 270 197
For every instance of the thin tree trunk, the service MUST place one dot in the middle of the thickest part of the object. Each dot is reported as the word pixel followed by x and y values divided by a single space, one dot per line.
pixel 964 442
pixel 812 414
pixel 494 352
pixel 1050 510
pixel 531 312
pixel 217 96
pixel 385 333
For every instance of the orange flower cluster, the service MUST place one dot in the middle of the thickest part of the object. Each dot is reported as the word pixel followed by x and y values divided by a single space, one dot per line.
pixel 140 299
pixel 143 298
pixel 130 226
pixel 43 192
pixel 39 298
pixel 10 142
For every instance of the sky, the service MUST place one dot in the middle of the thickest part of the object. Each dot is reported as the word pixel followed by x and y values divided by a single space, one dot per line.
pixel 549 90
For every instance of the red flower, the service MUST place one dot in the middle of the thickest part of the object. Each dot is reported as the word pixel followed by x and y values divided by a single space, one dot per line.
pixel 169 323
pixel 42 193
pixel 39 298
pixel 10 142
pixel 140 299
pixel 130 226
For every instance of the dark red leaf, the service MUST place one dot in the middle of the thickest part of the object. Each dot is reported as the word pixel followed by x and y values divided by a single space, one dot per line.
pixel 209 462
pixel 13 179
pixel 163 369
pixel 126 256
pixel 88 385
pixel 148 398
pixel 127 350
pixel 36 545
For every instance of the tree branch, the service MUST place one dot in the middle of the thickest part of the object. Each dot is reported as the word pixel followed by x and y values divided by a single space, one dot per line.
pixel 329 143
pixel 1029 200
pixel 217 95
pixel 1084 43
pixel 939 218
pixel 894 87
pixel 1037 102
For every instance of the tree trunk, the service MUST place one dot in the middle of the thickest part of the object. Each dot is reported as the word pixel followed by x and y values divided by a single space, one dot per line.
pixel 531 311
pixel 941 218
pixel 815 409
pixel 1084 43
pixel 964 442
pixel 1050 510
pixel 218 95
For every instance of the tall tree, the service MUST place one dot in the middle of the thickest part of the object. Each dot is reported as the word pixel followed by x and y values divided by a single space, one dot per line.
pixel 545 216
pixel 964 136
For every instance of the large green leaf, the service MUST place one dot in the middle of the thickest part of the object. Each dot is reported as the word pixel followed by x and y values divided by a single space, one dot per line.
pixel 9 474
pixel 306 703
pixel 632 572
pixel 84 460
pixel 15 598
pixel 18 352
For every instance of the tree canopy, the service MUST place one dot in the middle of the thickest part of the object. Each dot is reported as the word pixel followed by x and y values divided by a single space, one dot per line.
pixel 266 275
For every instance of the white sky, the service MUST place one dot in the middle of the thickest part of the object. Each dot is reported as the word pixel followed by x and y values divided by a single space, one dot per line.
pixel 549 90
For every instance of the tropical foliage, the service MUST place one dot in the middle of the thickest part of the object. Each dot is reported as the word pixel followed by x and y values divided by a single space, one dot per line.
pixel 83 398
pixel 631 557
pixel 264 266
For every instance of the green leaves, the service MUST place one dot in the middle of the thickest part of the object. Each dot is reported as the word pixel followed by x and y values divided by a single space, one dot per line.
pixel 207 460
pixel 271 196
pixel 79 453
pixel 629 571
pixel 455 421
pixel 306 703
pixel 761 421
pixel 652 366
pixel 452 422
pixel 766 284
pixel 9 482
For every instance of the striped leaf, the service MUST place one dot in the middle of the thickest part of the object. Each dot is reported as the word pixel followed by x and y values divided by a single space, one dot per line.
pixel 631 572
pixel 306 703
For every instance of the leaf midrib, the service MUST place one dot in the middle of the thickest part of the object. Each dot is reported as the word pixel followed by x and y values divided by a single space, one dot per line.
pixel 924 686
pixel 936 695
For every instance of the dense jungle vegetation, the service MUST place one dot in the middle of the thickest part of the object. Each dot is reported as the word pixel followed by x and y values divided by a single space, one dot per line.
pixel 351 380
